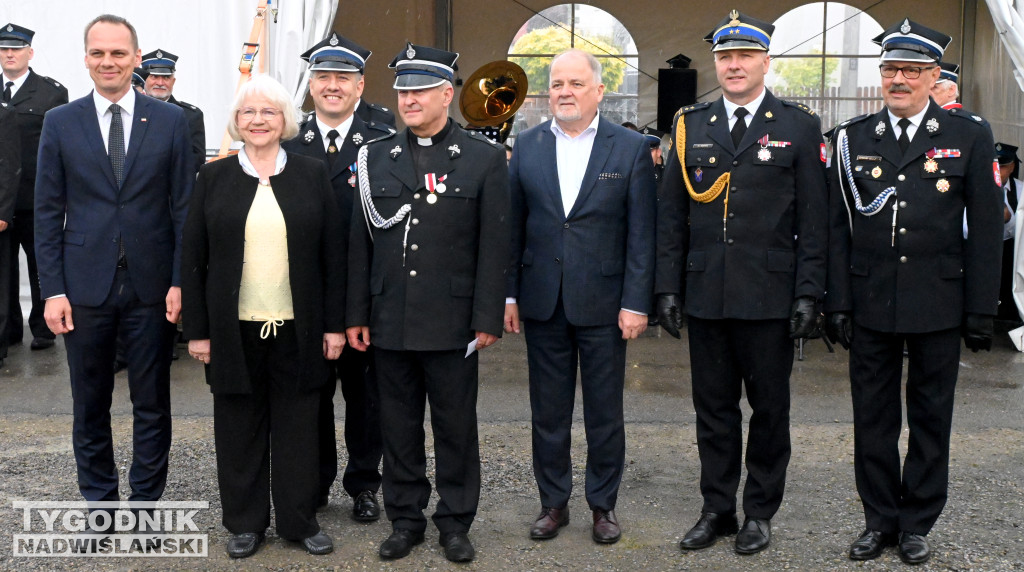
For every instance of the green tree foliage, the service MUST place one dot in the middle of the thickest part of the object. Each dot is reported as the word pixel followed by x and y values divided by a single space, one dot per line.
pixel 553 40
pixel 802 76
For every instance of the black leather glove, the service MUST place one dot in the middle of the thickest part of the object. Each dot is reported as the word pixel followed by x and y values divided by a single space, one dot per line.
pixel 803 317
pixel 670 313
pixel 839 329
pixel 977 332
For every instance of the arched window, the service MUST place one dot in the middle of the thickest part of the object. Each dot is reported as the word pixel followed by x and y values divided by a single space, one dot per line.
pixel 587 28
pixel 823 56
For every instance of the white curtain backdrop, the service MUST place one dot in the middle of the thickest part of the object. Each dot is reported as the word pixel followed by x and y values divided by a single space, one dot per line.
pixel 300 24
pixel 1010 26
pixel 207 35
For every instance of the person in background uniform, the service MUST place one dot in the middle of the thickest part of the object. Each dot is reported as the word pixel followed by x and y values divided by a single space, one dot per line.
pixel 1009 171
pixel 427 258
pixel 159 66
pixel 10 175
pixel 334 134
pixel 945 91
pixel 582 268
pixel 742 228
pixel 108 223
pixel 139 80
pixel 31 95
pixel 901 275
pixel 653 137
pixel 373 113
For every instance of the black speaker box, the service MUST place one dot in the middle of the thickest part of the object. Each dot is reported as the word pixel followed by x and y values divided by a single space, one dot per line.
pixel 677 87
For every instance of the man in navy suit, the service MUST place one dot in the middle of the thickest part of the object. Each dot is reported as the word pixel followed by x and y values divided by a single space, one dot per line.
pixel 115 174
pixel 582 218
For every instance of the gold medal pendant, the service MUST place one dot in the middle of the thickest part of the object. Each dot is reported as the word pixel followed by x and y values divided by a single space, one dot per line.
pixel 764 154
pixel 942 185
pixel 876 172
pixel 431 198
pixel 930 166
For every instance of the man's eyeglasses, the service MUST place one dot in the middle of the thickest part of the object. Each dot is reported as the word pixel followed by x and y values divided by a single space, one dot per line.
pixel 248 113
pixel 909 72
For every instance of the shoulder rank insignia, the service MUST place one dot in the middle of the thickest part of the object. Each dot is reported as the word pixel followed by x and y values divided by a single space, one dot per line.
pixel 357 138
pixel 880 128
pixel 976 118
pixel 396 151
pixel 384 108
pixel 932 125
pixel 454 151
pixel 308 137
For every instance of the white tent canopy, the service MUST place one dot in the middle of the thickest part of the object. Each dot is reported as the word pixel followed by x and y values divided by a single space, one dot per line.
pixel 206 35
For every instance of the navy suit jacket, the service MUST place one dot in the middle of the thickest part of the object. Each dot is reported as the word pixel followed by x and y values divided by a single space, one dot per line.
pixel 600 256
pixel 80 212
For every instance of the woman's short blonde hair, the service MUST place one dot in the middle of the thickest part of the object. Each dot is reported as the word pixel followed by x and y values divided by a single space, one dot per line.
pixel 262 85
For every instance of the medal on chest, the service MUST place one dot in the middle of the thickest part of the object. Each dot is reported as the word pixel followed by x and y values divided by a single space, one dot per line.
pixel 352 178
pixel 434 185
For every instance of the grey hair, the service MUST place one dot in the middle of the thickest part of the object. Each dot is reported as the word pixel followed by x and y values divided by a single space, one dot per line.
pixel 595 64
pixel 262 85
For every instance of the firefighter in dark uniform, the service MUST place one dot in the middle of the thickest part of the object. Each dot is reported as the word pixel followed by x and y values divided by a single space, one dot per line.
pixel 427 258
pixel 10 174
pixel 901 275
pixel 742 229
pixel 159 66
pixel 31 95
pixel 1009 171
pixel 653 137
pixel 334 134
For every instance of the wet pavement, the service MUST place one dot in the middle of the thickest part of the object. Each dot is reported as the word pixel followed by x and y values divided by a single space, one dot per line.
pixel 982 527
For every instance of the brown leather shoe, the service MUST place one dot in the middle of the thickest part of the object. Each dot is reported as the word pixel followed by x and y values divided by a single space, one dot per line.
pixel 547 524
pixel 606 527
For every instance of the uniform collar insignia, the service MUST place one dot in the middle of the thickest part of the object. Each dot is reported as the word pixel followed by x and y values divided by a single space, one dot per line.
pixel 357 138
pixel 454 151
pixel 932 125
pixel 768 114
pixel 396 151
pixel 880 128
pixel 309 136
pixel 713 119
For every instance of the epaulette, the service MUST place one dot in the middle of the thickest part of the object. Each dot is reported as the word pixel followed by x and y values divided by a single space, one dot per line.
pixel 52 82
pixel 377 107
pixel 480 137
pixel 388 135
pixel 693 107
pixel 798 105
pixel 969 115
pixel 188 105
pixel 382 127
pixel 851 121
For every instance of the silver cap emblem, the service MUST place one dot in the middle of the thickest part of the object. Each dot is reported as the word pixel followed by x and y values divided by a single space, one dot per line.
pixel 409 52
pixel 334 39
pixel 10 28
pixel 905 28
pixel 159 54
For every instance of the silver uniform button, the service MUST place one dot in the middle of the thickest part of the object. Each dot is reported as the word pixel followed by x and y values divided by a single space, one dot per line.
pixel 902 259
pixel 903 204
pixel 416 196
pixel 412 273
pixel 415 221
pixel 415 247
pixel 903 231
pixel 901 178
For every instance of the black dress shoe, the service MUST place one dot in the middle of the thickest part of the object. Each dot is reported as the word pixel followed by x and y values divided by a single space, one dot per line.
pixel 606 528
pixel 548 522
pixel 318 544
pixel 41 343
pixel 708 529
pixel 245 544
pixel 400 543
pixel 365 507
pixel 914 548
pixel 871 544
pixel 754 535
pixel 457 547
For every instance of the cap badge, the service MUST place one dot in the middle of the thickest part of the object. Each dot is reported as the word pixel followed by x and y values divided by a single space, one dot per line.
pixel 309 136
pixel 999 146
pixel 334 39
pixel 932 125
pixel 357 138
pixel 159 54
pixel 10 28
pixel 410 53
pixel 454 151
pixel 734 18
pixel 905 28
pixel 880 128
pixel 396 151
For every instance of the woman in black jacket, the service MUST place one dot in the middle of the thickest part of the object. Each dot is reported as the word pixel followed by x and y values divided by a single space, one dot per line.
pixel 263 274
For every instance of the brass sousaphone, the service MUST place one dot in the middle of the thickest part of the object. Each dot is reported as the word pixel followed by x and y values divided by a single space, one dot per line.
pixel 491 97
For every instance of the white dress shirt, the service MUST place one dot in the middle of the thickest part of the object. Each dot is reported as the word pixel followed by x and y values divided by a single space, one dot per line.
pixel 915 122
pixel 571 157
pixel 342 130
pixel 752 107
pixel 17 83
pixel 127 103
